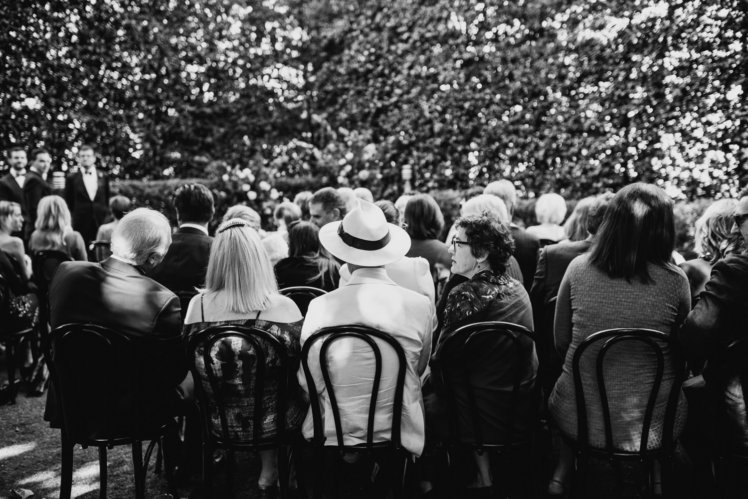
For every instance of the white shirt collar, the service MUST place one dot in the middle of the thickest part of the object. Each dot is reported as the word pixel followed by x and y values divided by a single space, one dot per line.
pixel 370 274
pixel 199 227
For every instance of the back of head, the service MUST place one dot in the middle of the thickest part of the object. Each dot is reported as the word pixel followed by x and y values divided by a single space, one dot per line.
pixel 330 199
pixel 485 204
pixel 239 267
pixel 302 201
pixel 638 230
pixel 714 238
pixel 288 212
pixel 506 191
pixel 423 217
pixel 364 193
pixel 550 209
pixel 119 205
pixel 245 213
pixel 349 198
pixel 303 239
pixel 576 225
pixel 52 215
pixel 140 234
pixel 391 213
pixel 194 204
pixel 596 212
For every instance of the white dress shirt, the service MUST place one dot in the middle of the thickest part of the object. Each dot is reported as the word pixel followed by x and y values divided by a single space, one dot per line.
pixel 91 181
pixel 409 272
pixel 370 298
pixel 19 176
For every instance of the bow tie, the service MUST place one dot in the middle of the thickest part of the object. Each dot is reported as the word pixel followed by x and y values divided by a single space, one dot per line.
pixel 89 172
pixel 18 173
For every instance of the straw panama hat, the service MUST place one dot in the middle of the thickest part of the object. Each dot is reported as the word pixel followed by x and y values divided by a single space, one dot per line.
pixel 365 238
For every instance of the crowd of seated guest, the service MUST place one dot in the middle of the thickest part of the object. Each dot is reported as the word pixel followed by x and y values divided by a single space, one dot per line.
pixel 380 265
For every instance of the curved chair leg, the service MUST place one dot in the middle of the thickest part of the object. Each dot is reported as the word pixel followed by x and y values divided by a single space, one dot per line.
pixel 283 471
pixel 207 470
pixel 168 465
pixel 137 464
pixel 102 471
pixel 66 482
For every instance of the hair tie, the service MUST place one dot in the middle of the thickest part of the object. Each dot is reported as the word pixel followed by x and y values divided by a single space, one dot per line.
pixel 231 224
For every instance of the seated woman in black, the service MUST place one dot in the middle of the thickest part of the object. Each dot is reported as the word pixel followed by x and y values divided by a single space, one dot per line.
pixel 480 251
pixel 306 265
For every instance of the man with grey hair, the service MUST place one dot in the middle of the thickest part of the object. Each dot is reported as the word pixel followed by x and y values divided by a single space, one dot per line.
pixel 526 246
pixel 117 294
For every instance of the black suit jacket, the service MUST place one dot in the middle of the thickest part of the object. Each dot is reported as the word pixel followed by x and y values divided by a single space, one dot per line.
pixel 184 265
pixel 117 295
pixel 552 263
pixel 34 189
pixel 87 215
pixel 526 247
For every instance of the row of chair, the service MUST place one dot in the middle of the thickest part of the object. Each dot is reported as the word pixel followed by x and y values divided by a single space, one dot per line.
pixel 85 412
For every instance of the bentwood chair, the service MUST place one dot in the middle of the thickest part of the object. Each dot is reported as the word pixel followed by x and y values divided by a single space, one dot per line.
pixel 12 337
pixel 302 295
pixel 486 375
pixel 101 250
pixel 389 454
pixel 234 368
pixel 600 348
pixel 106 394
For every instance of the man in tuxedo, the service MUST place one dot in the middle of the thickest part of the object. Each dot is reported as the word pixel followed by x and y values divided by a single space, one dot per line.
pixel 11 184
pixel 117 294
pixel 526 245
pixel 184 266
pixel 36 187
pixel 87 195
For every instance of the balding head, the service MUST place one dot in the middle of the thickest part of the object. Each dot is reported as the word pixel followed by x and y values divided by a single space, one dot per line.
pixel 505 190
pixel 142 238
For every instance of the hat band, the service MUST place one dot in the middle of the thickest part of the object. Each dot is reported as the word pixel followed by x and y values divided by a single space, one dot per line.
pixel 362 244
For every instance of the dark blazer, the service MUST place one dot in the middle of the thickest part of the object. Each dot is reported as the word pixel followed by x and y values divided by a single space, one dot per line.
pixel 185 264
pixel 552 263
pixel 117 295
pixel 87 215
pixel 526 247
pixel 34 189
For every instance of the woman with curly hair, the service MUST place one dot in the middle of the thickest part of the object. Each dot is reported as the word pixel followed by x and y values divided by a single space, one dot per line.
pixel 480 251
pixel 714 240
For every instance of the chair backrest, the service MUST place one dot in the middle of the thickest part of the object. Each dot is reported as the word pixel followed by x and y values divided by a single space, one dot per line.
pixel 5 296
pixel 185 296
pixel 102 250
pixel 105 382
pixel 480 371
pixel 302 295
pixel 656 343
pixel 331 335
pixel 44 264
pixel 235 368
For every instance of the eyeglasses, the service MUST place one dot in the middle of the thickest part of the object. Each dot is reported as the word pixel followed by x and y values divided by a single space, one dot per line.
pixel 739 218
pixel 456 241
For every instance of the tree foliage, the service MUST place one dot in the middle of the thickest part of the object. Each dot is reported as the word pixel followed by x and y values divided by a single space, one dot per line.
pixel 567 95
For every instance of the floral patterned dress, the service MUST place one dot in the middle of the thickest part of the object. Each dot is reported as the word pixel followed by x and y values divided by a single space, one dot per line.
pixel 235 363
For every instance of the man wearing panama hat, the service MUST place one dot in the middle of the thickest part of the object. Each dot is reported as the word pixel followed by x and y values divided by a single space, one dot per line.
pixel 366 242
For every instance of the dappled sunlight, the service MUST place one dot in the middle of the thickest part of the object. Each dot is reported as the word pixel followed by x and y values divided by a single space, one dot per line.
pixel 47 483
pixel 15 450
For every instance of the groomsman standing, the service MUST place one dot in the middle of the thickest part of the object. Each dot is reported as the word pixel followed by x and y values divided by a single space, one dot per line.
pixel 87 195
pixel 36 186
pixel 11 184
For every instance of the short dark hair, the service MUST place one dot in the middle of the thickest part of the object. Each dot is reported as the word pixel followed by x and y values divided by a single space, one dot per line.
pixel 37 152
pixel 423 217
pixel 330 199
pixel 638 229
pixel 86 147
pixel 743 193
pixel 288 211
pixel 119 205
pixel 14 149
pixel 303 238
pixel 194 203
pixel 597 212
pixel 391 213
pixel 488 236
